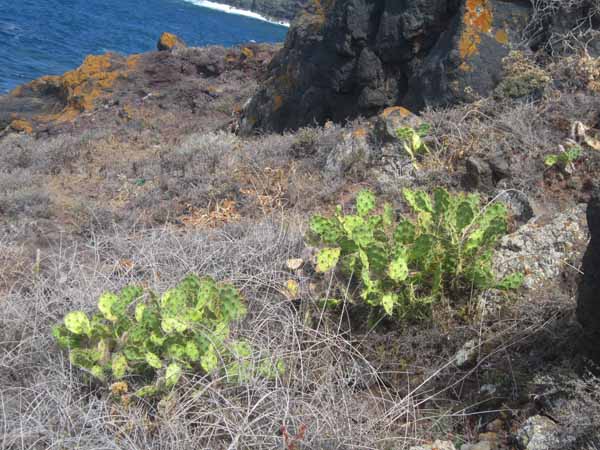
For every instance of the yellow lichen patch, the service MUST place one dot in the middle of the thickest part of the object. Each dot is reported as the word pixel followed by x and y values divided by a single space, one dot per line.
pixel 392 109
pixel 89 81
pixel 16 92
pixel 21 126
pixel 133 61
pixel 477 20
pixel 168 40
pixel 277 102
pixel 360 133
pixel 247 52
pixel 465 67
pixel 66 115
pixel 82 87
pixel 501 37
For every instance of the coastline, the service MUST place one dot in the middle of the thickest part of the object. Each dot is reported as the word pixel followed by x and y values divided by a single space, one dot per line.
pixel 240 12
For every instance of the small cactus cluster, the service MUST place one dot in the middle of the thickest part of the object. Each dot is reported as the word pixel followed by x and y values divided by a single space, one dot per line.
pixel 136 332
pixel 404 266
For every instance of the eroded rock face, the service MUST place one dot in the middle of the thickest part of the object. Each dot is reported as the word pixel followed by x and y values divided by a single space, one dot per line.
pixel 588 302
pixel 355 57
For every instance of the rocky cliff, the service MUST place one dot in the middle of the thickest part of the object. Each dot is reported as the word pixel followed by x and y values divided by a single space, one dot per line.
pixel 348 58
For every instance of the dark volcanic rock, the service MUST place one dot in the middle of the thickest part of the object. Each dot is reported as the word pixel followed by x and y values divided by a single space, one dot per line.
pixel 588 302
pixel 355 57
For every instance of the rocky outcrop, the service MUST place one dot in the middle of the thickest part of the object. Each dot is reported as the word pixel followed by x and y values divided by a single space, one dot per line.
pixel 62 98
pixel 543 248
pixel 588 302
pixel 169 41
pixel 355 57
pixel 178 80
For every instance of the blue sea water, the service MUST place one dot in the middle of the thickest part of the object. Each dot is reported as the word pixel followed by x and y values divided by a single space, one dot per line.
pixel 50 37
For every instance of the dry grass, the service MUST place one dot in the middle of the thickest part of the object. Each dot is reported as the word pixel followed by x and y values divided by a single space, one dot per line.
pixel 576 28
pixel 346 391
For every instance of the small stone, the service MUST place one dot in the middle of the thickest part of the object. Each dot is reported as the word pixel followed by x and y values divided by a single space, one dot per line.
pixel 491 438
pixel 488 389
pixel 437 445
pixel 294 263
pixel 352 153
pixel 520 206
pixel 467 356
pixel 495 425
pixel 479 173
pixel 539 433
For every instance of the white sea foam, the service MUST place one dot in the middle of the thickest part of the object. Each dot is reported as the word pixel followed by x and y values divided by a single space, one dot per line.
pixel 240 12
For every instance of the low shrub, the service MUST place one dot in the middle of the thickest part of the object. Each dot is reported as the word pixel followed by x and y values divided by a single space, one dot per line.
pixel 405 266
pixel 137 333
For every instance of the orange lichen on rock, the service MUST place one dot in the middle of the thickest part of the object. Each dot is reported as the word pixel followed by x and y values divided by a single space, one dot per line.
pixel 82 87
pixel 277 102
pixel 392 109
pixel 21 126
pixel 360 132
pixel 502 37
pixel 16 92
pixel 168 40
pixel 247 52
pixel 89 81
pixel 132 61
pixel 478 19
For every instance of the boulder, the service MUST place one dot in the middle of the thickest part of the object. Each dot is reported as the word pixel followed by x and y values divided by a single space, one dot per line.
pixel 543 248
pixel 352 154
pixel 539 433
pixel 391 120
pixel 588 301
pixel 169 42
pixel 352 58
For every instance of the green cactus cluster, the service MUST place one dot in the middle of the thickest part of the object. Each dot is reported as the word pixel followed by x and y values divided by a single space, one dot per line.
pixel 403 266
pixel 138 334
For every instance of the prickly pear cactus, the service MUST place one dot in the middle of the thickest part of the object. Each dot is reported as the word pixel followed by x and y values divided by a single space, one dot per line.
pixel 404 266
pixel 137 334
